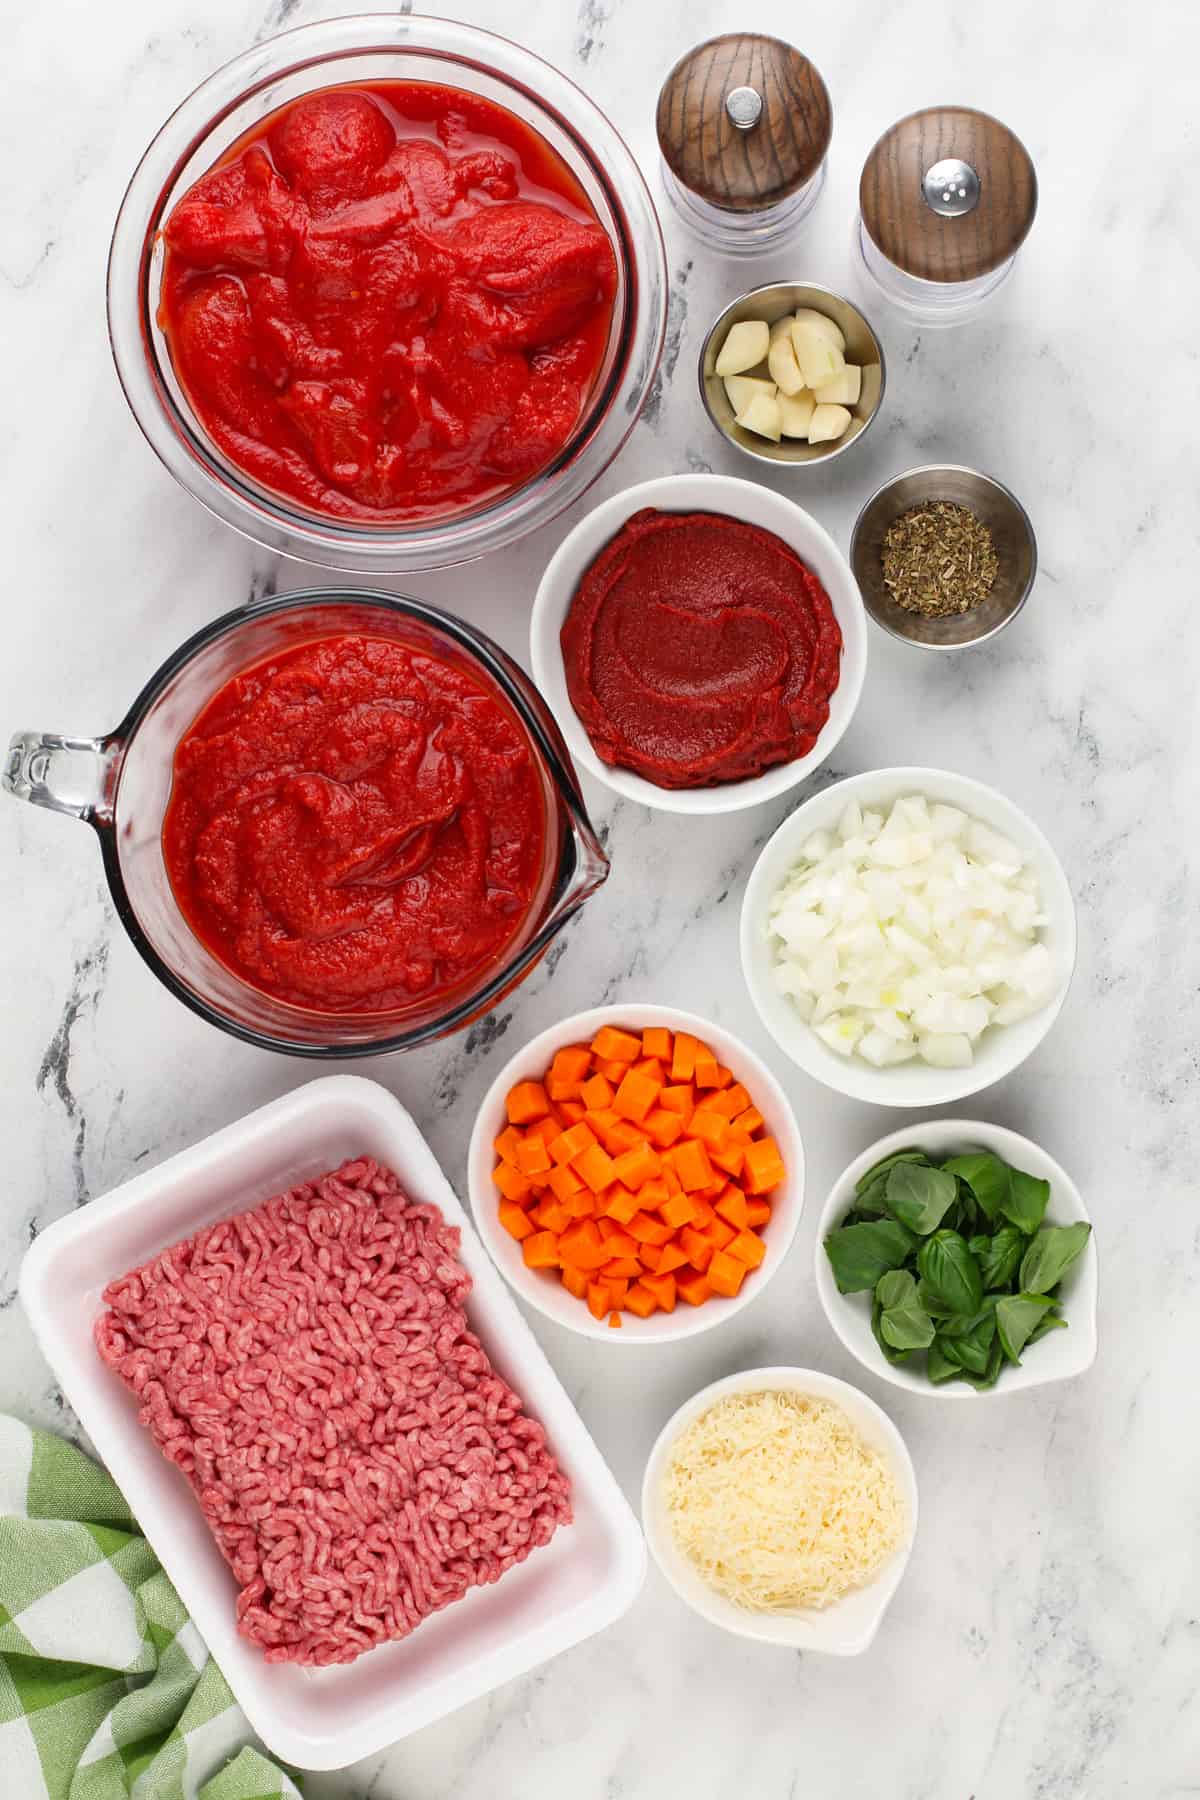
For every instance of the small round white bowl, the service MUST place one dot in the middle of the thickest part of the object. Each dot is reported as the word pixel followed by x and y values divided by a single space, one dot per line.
pixel 751 504
pixel 848 1626
pixel 1001 1048
pixel 1056 1357
pixel 542 1288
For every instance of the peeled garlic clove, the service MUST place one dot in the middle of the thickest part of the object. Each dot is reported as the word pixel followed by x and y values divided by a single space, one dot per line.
pixel 808 315
pixel 745 346
pixel 741 390
pixel 827 423
pixel 781 361
pixel 795 413
pixel 844 389
pixel 820 360
pixel 763 418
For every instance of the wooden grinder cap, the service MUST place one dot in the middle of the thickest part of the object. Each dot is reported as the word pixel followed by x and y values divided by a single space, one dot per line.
pixel 963 224
pixel 777 147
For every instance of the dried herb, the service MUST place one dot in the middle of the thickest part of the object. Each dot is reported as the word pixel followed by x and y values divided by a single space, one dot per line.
pixel 939 559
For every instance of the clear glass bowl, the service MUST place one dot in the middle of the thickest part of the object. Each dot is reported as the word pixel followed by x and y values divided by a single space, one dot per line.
pixel 372 48
pixel 120 785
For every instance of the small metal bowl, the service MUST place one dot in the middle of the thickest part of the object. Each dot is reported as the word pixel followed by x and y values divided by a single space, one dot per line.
pixel 770 303
pixel 1012 535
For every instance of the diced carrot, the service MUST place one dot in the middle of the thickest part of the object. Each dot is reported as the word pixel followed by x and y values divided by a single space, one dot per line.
pixel 605 1226
pixel 526 1102
pixel 572 1062
pixel 611 1044
pixel 749 1120
pixel 635 1096
pixel 674 1185
pixel 719 1234
pixel 649 1231
pixel 602 1118
pixel 730 1158
pixel 572 1143
pixel 547 1129
pixel 732 1208
pixel 552 1215
pixel 625 1135
pixel 620 1243
pixel 709 1127
pixel 653 1192
pixel 704 1211
pixel 596 1167
pixel 613 1071
pixel 708 1069
pixel 699 1249
pixel 683 1059
pixel 533 1158
pixel 670 1258
pixel 757 1213
pixel 641 1301
pixel 620 1204
pixel 726 1274
pixel 637 1166
pixel 679 1210
pixel 663 1128
pixel 596 1093
pixel 656 1042
pixel 689 1160
pixel 559 1088
pixel 515 1220
pixel 575 1281
pixel 724 1076
pixel 621 1268
pixel 541 1251
pixel 649 1257
pixel 564 1182
pixel 507 1145
pixel 663 1288
pixel 617 1291
pixel 652 1069
pixel 581 1205
pixel 732 1100
pixel 679 1099
pixel 597 1299
pixel 749 1248
pixel 614 1321
pixel 571 1110
pixel 583 1246
pixel 692 1287
pixel 764 1166
pixel 512 1184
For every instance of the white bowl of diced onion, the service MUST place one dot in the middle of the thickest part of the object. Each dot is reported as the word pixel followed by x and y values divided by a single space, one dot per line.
pixel 908 936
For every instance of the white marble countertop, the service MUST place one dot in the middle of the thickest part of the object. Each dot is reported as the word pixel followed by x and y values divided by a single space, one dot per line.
pixel 1045 1644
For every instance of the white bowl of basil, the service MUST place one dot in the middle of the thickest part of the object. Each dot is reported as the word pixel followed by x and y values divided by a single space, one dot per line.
pixel 956 1258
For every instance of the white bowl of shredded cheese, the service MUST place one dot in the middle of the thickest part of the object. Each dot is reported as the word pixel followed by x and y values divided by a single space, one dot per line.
pixel 781 1505
pixel 908 936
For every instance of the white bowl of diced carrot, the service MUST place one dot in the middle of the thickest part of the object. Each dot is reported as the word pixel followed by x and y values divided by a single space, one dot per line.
pixel 636 1173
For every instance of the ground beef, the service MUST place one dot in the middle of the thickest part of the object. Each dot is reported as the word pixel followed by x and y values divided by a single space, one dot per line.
pixel 309 1367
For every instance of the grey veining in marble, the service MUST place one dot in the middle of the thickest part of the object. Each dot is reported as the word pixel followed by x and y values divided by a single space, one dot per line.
pixel 1046 1642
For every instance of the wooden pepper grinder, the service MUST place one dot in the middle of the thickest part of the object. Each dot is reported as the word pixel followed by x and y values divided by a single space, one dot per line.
pixel 744 123
pixel 946 200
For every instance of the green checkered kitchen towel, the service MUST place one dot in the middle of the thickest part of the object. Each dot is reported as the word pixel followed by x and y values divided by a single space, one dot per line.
pixel 107 1691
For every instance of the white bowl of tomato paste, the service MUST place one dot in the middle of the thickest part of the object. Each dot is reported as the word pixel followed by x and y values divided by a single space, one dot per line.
pixel 334 824
pixel 702 643
pixel 637 1212
pixel 323 1717
pixel 387 293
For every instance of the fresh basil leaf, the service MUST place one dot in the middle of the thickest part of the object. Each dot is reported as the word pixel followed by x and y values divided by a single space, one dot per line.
pixel 1051 1254
pixel 1016 1317
pixel 1053 1321
pixel 999 1262
pixel 950 1273
pixel 893 1355
pixel 888 1162
pixel 860 1254
pixel 938 1366
pixel 979 1246
pixel 971 1347
pixel 988 1378
pixel 897 1288
pixel 920 1197
pixel 961 1323
pixel 1025 1206
pixel 907 1327
pixel 872 1202
pixel 986 1176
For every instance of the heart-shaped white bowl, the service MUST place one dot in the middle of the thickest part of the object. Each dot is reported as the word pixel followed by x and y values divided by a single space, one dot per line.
pixel 753 505
pixel 848 1626
pixel 1056 1357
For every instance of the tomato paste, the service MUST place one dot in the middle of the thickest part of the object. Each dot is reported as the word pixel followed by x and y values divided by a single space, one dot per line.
pixel 388 302
pixel 355 825
pixel 700 650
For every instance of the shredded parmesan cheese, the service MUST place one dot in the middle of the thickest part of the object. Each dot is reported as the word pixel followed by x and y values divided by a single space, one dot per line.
pixel 779 1502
